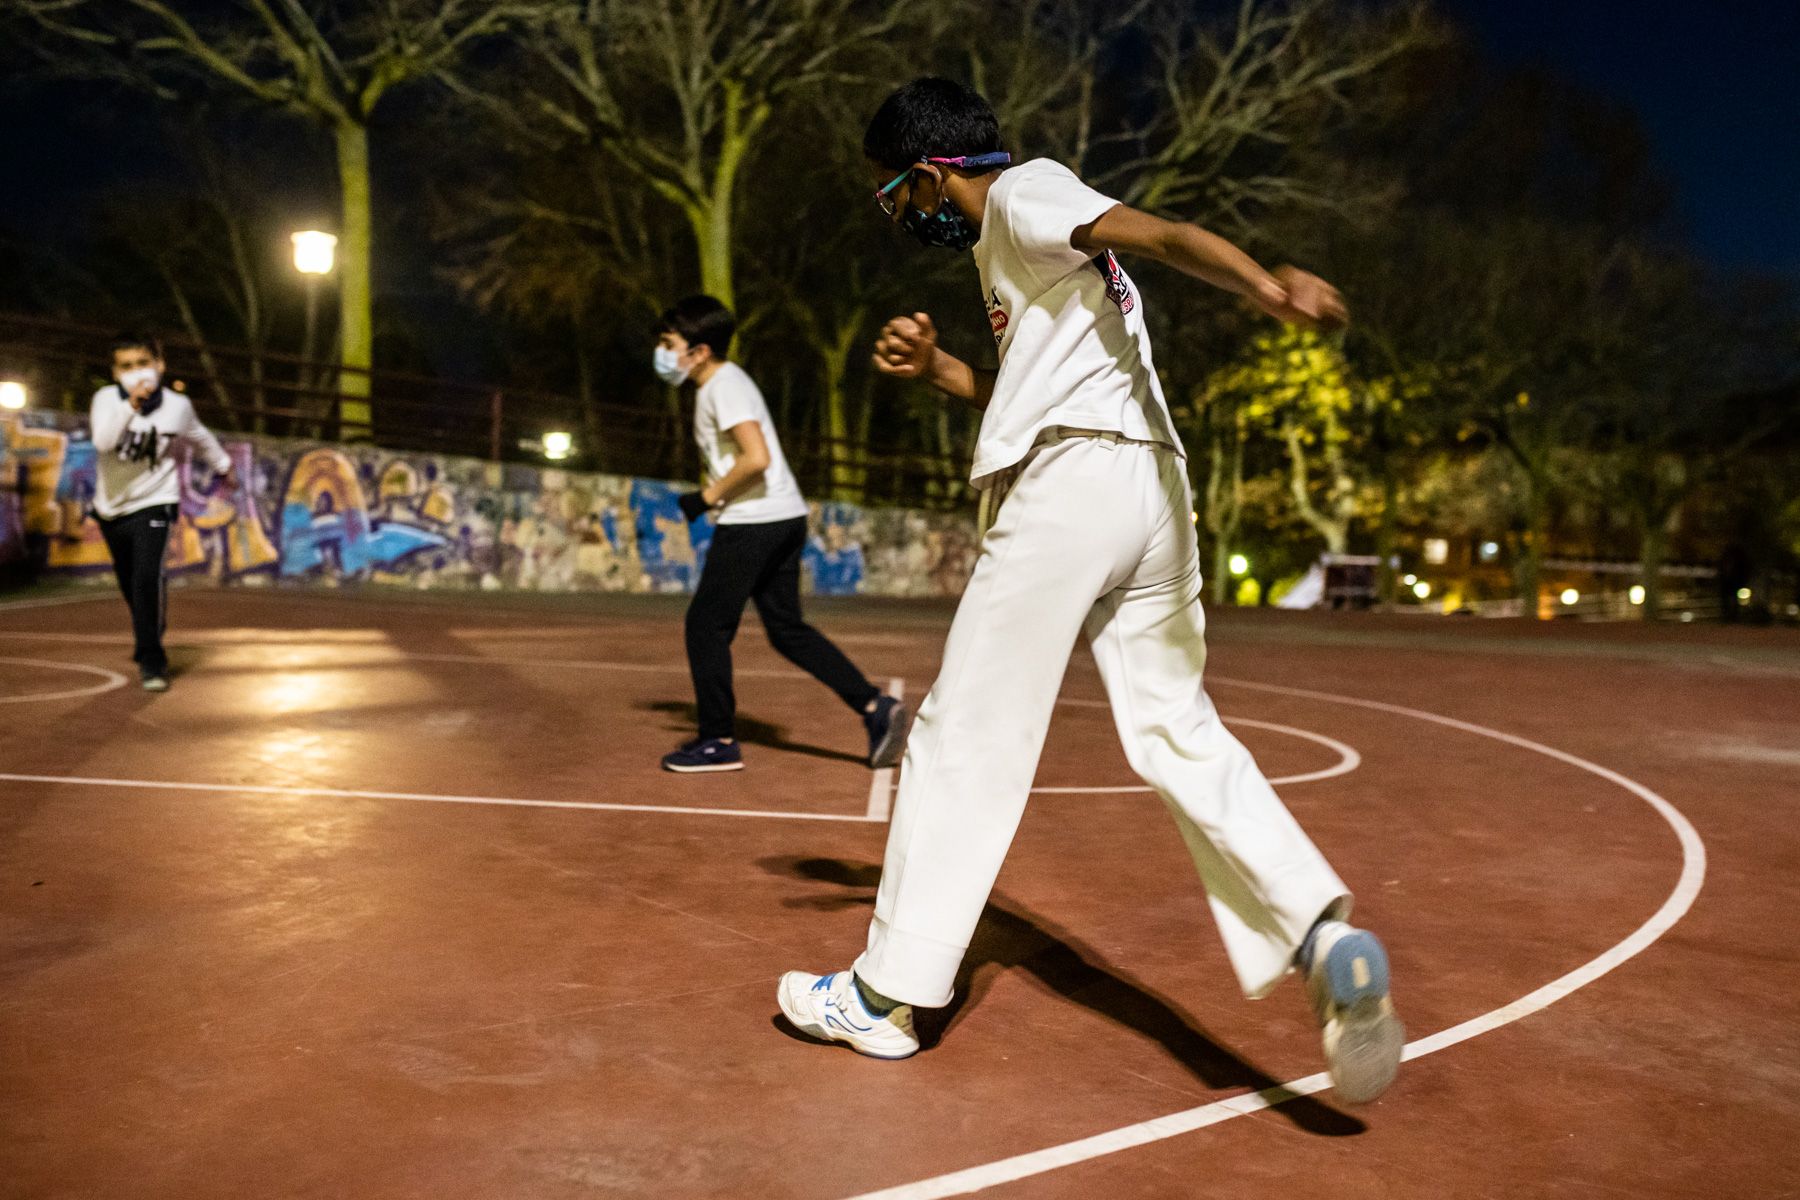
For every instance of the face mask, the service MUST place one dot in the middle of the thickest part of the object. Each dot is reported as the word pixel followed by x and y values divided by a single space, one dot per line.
pixel 947 228
pixel 135 377
pixel 667 361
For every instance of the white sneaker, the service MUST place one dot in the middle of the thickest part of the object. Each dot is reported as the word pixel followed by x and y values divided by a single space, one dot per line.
pixel 1347 980
pixel 830 1008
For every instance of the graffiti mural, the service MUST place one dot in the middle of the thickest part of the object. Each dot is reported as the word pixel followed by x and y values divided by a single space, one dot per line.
pixel 305 512
pixel 217 530
pixel 327 525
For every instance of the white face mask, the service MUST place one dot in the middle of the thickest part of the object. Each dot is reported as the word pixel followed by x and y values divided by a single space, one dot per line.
pixel 136 377
pixel 667 361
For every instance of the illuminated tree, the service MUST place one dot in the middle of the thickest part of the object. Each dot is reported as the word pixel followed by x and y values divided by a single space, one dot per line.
pixel 329 62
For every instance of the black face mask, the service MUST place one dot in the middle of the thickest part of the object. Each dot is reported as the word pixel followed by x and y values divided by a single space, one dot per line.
pixel 947 228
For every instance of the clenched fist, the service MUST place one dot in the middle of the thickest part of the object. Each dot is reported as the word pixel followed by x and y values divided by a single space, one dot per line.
pixel 905 346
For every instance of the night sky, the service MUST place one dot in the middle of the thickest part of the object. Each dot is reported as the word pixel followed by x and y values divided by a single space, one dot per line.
pixel 1717 85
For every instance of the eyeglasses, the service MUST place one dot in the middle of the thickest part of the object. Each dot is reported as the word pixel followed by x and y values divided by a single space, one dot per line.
pixel 890 203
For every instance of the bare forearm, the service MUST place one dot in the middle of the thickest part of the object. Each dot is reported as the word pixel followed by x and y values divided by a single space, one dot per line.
pixel 1194 251
pixel 743 476
pixel 953 376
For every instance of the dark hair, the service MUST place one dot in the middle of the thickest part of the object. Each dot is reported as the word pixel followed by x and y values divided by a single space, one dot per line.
pixel 131 339
pixel 702 321
pixel 930 117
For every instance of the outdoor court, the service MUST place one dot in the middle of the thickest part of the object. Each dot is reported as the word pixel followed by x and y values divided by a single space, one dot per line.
pixel 389 898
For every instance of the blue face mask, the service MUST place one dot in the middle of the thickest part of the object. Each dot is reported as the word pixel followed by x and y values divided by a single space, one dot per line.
pixel 946 228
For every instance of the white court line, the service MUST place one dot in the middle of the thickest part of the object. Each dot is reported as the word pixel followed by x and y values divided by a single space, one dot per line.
pixel 100 593
pixel 110 680
pixel 881 787
pixel 359 794
pixel 1348 759
pixel 1687 887
pixel 396 657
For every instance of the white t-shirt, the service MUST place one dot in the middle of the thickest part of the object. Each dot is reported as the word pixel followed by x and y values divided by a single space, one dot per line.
pixel 728 399
pixel 136 451
pixel 1074 348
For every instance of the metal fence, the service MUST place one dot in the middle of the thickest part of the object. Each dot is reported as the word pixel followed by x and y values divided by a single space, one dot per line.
pixel 238 390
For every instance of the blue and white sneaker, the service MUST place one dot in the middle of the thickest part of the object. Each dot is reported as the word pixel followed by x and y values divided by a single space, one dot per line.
pixel 1347 981
pixel 830 1008
pixel 887 724
pixel 705 754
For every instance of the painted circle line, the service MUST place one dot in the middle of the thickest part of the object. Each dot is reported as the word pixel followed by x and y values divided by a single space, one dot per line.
pixel 1673 908
pixel 110 681
pixel 1348 758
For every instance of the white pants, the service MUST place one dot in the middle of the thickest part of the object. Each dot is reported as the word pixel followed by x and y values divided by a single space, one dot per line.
pixel 1096 537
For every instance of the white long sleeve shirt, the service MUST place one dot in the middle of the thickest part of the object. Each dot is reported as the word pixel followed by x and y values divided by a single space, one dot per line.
pixel 136 451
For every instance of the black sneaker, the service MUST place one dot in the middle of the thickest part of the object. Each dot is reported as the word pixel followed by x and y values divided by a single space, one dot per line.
pixel 887 724
pixel 705 754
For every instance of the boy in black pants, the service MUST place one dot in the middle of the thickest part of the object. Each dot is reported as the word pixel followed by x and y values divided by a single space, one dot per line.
pixel 756 547
pixel 136 424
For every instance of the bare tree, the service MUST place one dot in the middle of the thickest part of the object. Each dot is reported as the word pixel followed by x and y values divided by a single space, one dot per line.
pixel 683 94
pixel 329 62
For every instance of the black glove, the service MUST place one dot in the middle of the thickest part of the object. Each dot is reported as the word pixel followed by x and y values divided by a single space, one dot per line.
pixel 693 506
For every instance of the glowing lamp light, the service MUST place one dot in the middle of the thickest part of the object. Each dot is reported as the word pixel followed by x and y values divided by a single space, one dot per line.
pixel 1490 551
pixel 314 252
pixel 1409 579
pixel 1743 595
pixel 1569 596
pixel 558 445
pixel 1195 516
pixel 1422 590
pixel 12 394
pixel 1239 564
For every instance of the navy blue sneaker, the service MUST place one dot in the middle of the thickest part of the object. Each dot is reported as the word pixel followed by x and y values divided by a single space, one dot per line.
pixel 705 754
pixel 887 724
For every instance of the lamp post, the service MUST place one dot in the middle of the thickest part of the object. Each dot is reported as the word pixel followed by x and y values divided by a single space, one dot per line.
pixel 314 254
pixel 12 395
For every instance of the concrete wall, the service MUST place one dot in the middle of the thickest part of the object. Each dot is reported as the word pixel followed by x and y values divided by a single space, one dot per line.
pixel 328 514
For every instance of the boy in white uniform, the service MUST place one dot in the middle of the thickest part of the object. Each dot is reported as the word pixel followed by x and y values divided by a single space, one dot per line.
pixel 136 424
pixel 1094 539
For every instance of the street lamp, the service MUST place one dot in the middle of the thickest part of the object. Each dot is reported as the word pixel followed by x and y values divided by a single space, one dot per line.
pixel 558 445
pixel 314 254
pixel 12 394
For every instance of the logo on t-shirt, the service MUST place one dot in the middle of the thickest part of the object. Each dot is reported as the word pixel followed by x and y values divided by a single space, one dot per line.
pixel 143 445
pixel 1117 285
pixel 996 316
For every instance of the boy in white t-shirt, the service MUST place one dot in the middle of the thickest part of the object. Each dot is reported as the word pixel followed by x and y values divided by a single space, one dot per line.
pixel 1094 539
pixel 756 546
pixel 137 424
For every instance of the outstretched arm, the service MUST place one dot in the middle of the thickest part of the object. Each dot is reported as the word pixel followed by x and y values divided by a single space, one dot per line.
pixel 908 349
pixel 1286 293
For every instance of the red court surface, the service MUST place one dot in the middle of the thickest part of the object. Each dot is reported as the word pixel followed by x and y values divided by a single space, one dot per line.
pixel 388 898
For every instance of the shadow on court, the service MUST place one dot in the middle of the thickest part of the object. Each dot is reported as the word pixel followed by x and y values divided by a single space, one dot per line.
pixel 1011 936
pixel 750 731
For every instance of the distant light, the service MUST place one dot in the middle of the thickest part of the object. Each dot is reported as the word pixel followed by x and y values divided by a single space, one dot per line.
pixel 1195 516
pixel 1409 580
pixel 1422 590
pixel 1437 551
pixel 1743 595
pixel 1637 593
pixel 1687 617
pixel 314 251
pixel 1239 564
pixel 1490 551
pixel 12 394
pixel 1570 595
pixel 558 445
